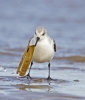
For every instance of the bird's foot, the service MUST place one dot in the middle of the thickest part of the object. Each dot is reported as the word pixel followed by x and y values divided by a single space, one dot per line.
pixel 28 76
pixel 49 78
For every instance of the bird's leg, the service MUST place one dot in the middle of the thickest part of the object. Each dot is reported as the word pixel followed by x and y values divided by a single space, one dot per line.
pixel 49 72
pixel 28 75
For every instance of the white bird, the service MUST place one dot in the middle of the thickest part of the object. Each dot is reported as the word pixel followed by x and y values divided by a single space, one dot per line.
pixel 45 47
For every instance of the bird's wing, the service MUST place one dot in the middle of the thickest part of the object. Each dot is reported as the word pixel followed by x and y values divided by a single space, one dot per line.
pixel 54 45
pixel 32 41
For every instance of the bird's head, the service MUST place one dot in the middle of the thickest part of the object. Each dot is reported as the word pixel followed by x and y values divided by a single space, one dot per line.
pixel 40 33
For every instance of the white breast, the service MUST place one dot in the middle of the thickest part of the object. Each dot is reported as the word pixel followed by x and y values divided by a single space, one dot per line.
pixel 43 52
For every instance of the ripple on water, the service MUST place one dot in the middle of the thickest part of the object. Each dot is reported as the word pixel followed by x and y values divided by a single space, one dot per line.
pixel 72 58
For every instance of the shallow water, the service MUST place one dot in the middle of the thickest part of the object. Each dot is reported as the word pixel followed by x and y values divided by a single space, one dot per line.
pixel 65 22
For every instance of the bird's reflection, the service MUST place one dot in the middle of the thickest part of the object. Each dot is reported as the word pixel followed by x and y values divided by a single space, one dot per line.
pixel 39 84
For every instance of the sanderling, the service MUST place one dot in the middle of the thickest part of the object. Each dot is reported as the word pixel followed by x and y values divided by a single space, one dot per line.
pixel 44 49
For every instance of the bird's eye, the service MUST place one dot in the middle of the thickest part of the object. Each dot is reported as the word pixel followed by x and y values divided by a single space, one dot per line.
pixel 43 34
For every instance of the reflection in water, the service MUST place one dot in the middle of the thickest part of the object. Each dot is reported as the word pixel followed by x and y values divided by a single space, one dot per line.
pixel 32 87
pixel 40 84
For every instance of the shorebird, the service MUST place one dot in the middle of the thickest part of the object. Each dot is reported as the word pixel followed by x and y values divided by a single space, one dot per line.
pixel 45 48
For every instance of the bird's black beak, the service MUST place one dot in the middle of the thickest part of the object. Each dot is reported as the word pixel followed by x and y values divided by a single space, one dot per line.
pixel 37 39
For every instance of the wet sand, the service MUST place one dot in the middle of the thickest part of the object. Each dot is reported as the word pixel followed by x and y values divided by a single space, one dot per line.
pixel 17 88
pixel 27 91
